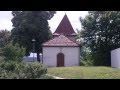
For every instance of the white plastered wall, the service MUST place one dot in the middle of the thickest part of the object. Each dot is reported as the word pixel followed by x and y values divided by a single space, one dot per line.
pixel 115 58
pixel 72 55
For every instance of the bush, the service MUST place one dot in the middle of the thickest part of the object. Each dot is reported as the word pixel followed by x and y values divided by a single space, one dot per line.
pixel 33 70
pixel 86 63
pixel 86 60
pixel 13 52
pixel 21 70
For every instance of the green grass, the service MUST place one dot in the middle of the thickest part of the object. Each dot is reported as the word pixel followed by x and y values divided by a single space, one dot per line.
pixel 83 72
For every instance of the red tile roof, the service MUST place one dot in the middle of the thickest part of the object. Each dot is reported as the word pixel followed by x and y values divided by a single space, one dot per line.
pixel 60 41
pixel 65 27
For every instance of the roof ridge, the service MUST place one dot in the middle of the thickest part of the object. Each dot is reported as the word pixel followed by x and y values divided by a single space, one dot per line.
pixel 61 40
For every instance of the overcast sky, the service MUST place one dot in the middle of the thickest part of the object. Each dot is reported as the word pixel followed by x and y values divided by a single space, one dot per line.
pixel 6 16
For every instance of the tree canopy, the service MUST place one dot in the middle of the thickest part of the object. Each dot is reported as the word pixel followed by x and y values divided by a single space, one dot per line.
pixel 101 33
pixel 4 37
pixel 28 25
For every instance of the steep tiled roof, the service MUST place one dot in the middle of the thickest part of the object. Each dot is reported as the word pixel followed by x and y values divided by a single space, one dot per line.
pixel 60 41
pixel 65 27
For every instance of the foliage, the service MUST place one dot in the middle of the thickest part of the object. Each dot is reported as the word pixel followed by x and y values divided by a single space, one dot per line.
pixel 13 52
pixel 22 70
pixel 85 52
pixel 4 37
pixel 82 72
pixel 31 24
pixel 1 53
pixel 86 60
pixel 100 32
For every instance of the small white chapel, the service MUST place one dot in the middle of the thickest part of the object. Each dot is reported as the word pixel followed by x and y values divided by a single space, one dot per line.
pixel 62 50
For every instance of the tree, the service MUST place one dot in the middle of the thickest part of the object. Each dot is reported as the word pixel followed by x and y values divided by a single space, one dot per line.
pixel 28 25
pixel 4 37
pixel 100 31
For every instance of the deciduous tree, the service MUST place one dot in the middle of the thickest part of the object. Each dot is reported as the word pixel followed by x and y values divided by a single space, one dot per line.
pixel 28 25
pixel 101 33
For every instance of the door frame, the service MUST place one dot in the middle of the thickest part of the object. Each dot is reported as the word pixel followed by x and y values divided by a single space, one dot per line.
pixel 60 60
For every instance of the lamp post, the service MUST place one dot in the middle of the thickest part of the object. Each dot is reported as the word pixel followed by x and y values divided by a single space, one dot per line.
pixel 33 40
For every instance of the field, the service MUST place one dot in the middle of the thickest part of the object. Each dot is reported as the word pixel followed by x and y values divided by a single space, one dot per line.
pixel 83 72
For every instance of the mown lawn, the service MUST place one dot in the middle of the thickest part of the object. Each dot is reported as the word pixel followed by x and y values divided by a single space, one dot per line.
pixel 83 72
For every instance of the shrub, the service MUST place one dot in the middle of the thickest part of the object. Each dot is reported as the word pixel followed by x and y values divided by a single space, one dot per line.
pixel 13 52
pixel 86 60
pixel 33 70
pixel 86 63
pixel 21 70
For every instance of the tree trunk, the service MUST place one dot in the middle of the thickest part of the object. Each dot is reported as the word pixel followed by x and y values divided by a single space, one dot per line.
pixel 38 57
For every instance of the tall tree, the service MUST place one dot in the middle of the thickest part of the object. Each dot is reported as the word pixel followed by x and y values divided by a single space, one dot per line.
pixel 28 25
pixel 4 37
pixel 101 32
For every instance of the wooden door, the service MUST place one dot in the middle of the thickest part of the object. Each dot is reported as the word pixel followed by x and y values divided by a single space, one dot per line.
pixel 60 60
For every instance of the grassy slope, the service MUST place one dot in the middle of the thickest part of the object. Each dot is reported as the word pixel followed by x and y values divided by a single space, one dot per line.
pixel 85 72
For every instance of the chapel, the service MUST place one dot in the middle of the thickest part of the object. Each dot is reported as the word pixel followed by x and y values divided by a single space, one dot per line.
pixel 62 50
